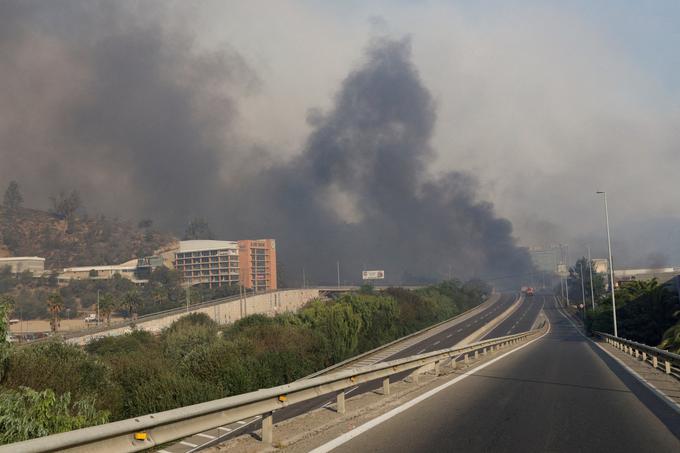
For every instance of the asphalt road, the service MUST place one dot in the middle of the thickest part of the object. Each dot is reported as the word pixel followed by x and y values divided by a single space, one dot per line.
pixel 521 319
pixel 445 339
pixel 558 394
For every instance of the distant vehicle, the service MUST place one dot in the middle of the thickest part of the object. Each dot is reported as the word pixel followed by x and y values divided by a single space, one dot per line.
pixel 91 318
pixel 527 290
pixel 14 321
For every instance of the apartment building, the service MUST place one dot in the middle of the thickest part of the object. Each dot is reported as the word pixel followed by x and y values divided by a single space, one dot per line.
pixel 208 262
pixel 257 260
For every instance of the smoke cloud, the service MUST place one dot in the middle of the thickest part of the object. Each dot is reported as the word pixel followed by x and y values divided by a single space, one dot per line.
pixel 111 99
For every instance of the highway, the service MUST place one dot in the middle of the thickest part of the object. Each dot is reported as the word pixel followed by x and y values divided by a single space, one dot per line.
pixel 521 319
pixel 559 393
pixel 445 339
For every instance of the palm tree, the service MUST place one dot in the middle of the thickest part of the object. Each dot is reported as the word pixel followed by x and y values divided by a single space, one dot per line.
pixel 637 288
pixel 55 304
pixel 107 304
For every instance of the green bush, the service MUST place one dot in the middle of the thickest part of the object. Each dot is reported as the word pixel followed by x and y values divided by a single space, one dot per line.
pixel 57 366
pixel 26 414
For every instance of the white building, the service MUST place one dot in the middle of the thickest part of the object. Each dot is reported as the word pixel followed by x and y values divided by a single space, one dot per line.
pixel 19 264
pixel 213 263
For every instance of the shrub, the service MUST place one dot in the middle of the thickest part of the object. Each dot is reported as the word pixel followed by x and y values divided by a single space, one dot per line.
pixel 26 414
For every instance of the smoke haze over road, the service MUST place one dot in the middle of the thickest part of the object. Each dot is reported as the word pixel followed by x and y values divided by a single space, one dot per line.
pixel 379 149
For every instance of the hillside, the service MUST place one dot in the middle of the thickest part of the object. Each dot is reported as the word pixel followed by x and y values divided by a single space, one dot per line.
pixel 82 240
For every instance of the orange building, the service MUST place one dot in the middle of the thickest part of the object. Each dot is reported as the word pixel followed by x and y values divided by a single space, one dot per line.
pixel 257 263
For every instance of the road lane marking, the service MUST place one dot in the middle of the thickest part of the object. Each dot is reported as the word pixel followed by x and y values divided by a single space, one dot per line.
pixel 449 335
pixel 436 343
pixel 188 444
pixel 651 387
pixel 344 438
pixel 421 351
pixel 224 429
pixel 207 436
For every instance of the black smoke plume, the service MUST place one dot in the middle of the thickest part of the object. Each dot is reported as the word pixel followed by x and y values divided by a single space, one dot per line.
pixel 109 100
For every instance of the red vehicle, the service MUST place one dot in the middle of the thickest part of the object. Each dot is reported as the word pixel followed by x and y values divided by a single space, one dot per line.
pixel 527 290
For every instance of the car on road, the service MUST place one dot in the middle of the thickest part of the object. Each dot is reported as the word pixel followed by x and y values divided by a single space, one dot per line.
pixel 91 318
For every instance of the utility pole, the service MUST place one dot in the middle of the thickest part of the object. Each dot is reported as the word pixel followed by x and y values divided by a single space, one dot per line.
pixel 566 281
pixel 592 290
pixel 583 293
pixel 611 263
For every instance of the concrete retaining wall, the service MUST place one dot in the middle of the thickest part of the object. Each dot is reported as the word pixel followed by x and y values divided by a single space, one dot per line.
pixel 268 304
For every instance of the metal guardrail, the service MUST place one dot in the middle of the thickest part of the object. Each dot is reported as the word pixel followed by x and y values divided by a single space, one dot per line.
pixel 658 358
pixel 148 431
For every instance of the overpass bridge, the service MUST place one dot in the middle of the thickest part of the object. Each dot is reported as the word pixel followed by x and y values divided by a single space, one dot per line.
pixel 522 377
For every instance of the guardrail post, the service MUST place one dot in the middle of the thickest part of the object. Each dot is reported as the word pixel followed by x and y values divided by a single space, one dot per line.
pixel 436 368
pixel 476 354
pixel 340 406
pixel 655 361
pixel 267 428
pixel 484 351
pixel 386 386
pixel 637 354
pixel 668 367
pixel 644 356
pixel 467 359
pixel 453 363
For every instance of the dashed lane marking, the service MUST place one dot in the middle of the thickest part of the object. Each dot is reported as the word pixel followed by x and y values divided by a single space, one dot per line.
pixel 207 436
pixel 188 444
pixel 436 343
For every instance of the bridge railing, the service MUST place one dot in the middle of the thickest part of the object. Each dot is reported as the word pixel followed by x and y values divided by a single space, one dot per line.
pixel 658 358
pixel 148 431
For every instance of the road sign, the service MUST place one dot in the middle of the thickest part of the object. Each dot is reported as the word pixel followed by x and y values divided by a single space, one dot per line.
pixel 373 275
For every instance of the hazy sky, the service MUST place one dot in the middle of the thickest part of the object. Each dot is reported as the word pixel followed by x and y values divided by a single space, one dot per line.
pixel 542 102
pixel 546 102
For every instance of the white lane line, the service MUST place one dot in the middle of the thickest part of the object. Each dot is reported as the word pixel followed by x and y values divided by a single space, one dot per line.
pixel 449 335
pixel 207 436
pixel 224 429
pixel 459 330
pixel 241 422
pixel 188 444
pixel 163 451
pixel 335 443
pixel 436 343
pixel 660 394
pixel 421 351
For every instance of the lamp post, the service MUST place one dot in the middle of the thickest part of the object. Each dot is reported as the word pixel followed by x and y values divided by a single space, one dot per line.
pixel 590 269
pixel 611 263
pixel 583 293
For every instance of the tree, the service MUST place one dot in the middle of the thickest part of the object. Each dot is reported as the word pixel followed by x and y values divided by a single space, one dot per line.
pixel 65 206
pixel 145 223
pixel 574 282
pixel 198 228
pixel 55 304
pixel 131 301
pixel 26 414
pixel 6 305
pixel 13 198
pixel 107 305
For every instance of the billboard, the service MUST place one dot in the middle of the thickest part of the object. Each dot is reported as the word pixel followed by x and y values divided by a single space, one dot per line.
pixel 373 275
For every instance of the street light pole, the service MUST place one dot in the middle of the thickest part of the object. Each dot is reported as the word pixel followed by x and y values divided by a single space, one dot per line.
pixel 611 263
pixel 583 293
pixel 592 290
